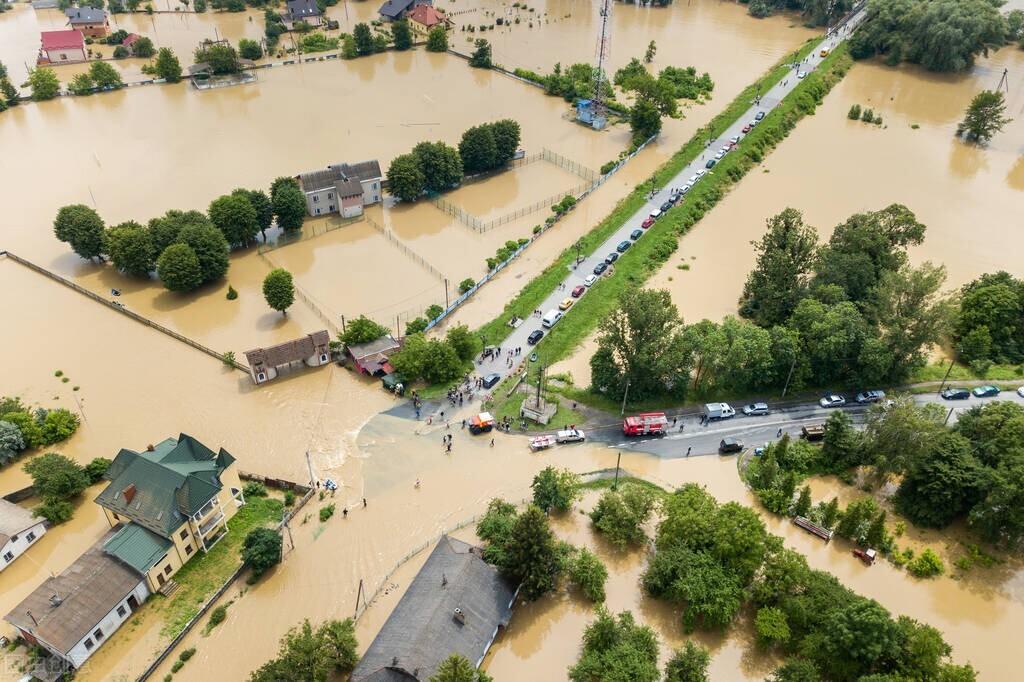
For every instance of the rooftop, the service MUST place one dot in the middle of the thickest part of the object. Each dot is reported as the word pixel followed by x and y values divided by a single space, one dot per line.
pixel 426 15
pixel 361 351
pixel 298 9
pixel 65 608
pixel 361 170
pixel 392 9
pixel 62 40
pixel 85 15
pixel 454 605
pixel 14 520
pixel 289 351
pixel 139 548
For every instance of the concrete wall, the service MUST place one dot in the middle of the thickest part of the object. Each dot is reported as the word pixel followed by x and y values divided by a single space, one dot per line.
pixel 371 191
pixel 109 624
pixel 65 55
pixel 322 202
pixel 17 547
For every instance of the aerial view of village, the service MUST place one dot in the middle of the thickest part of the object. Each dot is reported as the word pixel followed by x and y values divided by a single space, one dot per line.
pixel 495 340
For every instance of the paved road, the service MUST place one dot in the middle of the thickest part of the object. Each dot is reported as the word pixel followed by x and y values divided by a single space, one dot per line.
pixel 753 431
pixel 575 277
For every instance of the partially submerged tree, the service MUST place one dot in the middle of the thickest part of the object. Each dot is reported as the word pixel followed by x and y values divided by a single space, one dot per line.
pixel 984 117
pixel 278 290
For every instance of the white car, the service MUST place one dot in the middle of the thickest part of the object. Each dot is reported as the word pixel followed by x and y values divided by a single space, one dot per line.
pixel 753 122
pixel 685 188
pixel 693 180
pixel 735 139
pixel 701 172
pixel 832 400
pixel 590 279
pixel 1020 391
pixel 719 155
pixel 801 74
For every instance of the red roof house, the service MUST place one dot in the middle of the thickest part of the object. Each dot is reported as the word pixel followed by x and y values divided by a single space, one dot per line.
pixel 422 18
pixel 130 39
pixel 62 47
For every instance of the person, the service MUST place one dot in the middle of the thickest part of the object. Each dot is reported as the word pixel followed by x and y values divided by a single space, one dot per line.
pixel 688 450
pixel 364 503
pixel 417 484
pixel 430 419
pixel 449 447
pixel 779 434
pixel 673 421
pixel 492 442
pixel 463 423
pixel 344 512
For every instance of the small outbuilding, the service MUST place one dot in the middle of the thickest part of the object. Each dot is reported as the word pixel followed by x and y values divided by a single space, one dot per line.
pixel 373 357
pixel 313 350
pixel 61 47
pixel 18 531
pixel 456 604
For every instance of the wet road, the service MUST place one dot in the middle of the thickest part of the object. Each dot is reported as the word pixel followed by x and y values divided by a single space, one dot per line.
pixel 694 171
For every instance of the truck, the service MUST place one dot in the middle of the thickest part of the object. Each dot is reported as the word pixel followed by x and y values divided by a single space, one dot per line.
pixel 570 436
pixel 718 411
pixel 481 423
pixel 813 433
pixel 646 424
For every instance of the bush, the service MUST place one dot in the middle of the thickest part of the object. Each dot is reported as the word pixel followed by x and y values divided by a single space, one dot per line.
pixel 187 653
pixel 555 489
pixel 54 511
pixel 217 617
pixel 96 468
pixel 232 294
pixel 868 116
pixel 927 564
pixel 289 498
pixel 326 512
pixel 466 284
pixel 854 113
pixel 261 550
pixel 620 516
pixel 588 574
pixel 254 489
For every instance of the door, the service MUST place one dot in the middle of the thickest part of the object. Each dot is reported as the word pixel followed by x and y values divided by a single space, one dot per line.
pixel 160 579
pixel 133 603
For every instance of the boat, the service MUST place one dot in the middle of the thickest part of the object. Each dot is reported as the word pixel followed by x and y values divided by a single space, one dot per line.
pixel 542 442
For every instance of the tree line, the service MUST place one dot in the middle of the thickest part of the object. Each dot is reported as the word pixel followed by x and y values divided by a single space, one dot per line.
pixel 433 167
pixel 22 428
pixel 989 323
pixel 186 249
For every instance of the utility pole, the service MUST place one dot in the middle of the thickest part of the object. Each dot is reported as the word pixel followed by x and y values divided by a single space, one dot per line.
pixel 789 376
pixel 618 461
pixel 309 463
pixel 952 362
pixel 948 415
pixel 446 293
pixel 342 324
pixel 625 395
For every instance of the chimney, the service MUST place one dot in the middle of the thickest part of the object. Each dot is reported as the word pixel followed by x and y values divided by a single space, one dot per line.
pixel 129 494
pixel 150 448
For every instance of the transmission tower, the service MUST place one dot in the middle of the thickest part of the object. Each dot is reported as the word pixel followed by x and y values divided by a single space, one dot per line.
pixel 594 112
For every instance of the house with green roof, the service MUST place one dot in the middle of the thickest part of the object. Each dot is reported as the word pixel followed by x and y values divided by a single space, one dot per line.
pixel 167 503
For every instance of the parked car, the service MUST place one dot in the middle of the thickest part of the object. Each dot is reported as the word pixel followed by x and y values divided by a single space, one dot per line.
pixel 1020 391
pixel 730 445
pixel 648 221
pixel 611 258
pixel 566 303
pixel 623 245
pixel 600 268
pixel 636 234
pixel 578 290
pixel 753 123
pixel 746 128
pixel 824 52
pixel 719 155
pixel 686 188
pixel 801 74
pixel 755 409
pixel 832 400
pixel 955 394
pixel 710 164
pixel 732 145
pixel 491 379
pixel 759 115
pixel 701 172
pixel 656 213
pixel 694 178
pixel 986 391
pixel 589 280
pixel 867 397
pixel 535 336
pixel 716 411
pixel 735 139
pixel 666 206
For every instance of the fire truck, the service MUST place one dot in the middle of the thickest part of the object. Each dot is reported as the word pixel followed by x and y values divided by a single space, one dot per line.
pixel 647 424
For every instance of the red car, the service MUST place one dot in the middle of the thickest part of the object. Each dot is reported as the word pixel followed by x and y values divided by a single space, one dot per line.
pixel 648 221
pixel 746 128
pixel 578 291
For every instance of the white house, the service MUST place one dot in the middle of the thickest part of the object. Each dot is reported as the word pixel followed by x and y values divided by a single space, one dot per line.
pixel 312 350
pixel 18 531
pixel 342 188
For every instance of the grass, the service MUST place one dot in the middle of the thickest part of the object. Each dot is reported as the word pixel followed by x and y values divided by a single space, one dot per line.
pixel 509 407
pixel 608 483
pixel 960 372
pixel 203 575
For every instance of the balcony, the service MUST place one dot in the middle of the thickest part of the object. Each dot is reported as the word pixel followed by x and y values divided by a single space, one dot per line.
pixel 215 521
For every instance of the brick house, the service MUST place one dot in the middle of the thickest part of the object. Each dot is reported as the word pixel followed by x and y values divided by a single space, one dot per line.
pixel 312 350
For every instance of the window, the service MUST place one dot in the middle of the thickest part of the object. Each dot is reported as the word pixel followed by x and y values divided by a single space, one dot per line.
pixel 31 536
pixel 121 611
pixel 323 357
pixel 9 557
pixel 330 195
pixel 318 211
pixel 167 570
pixel 316 199
pixel 184 534
pixel 188 550
pixel 331 208
pixel 375 185
pixel 261 377
pixel 88 644
pixel 98 634
pixel 14 538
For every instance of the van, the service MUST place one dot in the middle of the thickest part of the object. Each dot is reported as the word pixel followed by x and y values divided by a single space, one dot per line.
pixel 656 213
pixel 551 318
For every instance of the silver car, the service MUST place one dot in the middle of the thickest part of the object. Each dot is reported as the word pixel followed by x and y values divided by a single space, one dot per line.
pixel 756 409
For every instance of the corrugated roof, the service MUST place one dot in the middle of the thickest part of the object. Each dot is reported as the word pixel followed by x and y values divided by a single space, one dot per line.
pixel 315 181
pixel 361 170
pixel 85 592
pixel 289 351
pixel 85 15
pixel 384 344
pixel 14 520
pixel 62 40
pixel 138 547
pixel 392 9
pixel 422 631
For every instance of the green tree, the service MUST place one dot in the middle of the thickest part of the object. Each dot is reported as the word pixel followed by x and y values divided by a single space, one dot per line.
pixel 463 342
pixel 56 480
pixel 531 554
pixel 361 330
pixel 644 120
pixel 785 261
pixel 856 520
pixel 82 228
pixel 143 48
pixel 167 65
pixel 81 85
pixel 688 663
pixel 405 178
pixel 830 513
pixel 261 550
pixel 178 268
pixel 235 217
pixel 288 204
pixel 130 247
pixel 616 650
pixel 249 49
pixel 803 503
pixel 222 58
pixel 481 56
pixel 495 528
pixel 478 149
pixel 43 83
pixel 901 435
pixel 401 34
pixel 364 39
pixel 621 515
pixel 556 489
pixel 989 324
pixel 261 203
pixel 437 40
pixel 652 49
pixel 440 164
pixel 12 442
pixel 433 360
pixel 796 670
pixel 105 76
pixel 308 655
pixel 841 447
pixel 348 48
pixel 279 290
pixel 771 627
pixel 210 247
pixel 998 516
pixel 9 95
pixel 588 574
pixel 943 485
pixel 507 134
pixel 457 668
pixel 854 639
pixel 30 430
pixel 56 425
pixel 96 468
pixel 164 230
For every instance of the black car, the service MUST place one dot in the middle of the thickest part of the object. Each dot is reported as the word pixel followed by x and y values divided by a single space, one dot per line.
pixel 600 268
pixel 759 115
pixel 636 234
pixel 623 245
pixel 710 164
pixel 491 379
pixel 729 445
pixel 611 258
pixel 535 336
pixel 956 394
pixel 666 206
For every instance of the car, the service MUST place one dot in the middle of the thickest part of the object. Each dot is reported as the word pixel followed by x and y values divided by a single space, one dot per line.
pixel 694 178
pixel 759 115
pixel 666 206
pixel 729 445
pixel 656 213
pixel 491 379
pixel 867 397
pixel 986 391
pixel 955 394
pixel 535 336
pixel 589 280
pixel 719 155
pixel 1020 391
pixel 710 164
pixel 753 122
pixel 732 145
pixel 801 74
pixel 686 188
pixel 578 290
pixel 746 128
pixel 600 268
pixel 648 221
pixel 727 148
pixel 701 173
pixel 755 409
pixel 832 400
pixel 611 258
pixel 735 139
pixel 566 303
pixel 636 234
pixel 623 245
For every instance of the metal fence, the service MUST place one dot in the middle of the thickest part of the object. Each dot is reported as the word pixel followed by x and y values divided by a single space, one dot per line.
pixel 124 311
pixel 391 237
pixel 313 231
pixel 307 298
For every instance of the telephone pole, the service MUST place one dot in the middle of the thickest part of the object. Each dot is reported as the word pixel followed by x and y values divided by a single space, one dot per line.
pixel 625 395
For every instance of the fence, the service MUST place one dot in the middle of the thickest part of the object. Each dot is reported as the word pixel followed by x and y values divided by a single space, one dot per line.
pixel 313 231
pixel 124 311
pixel 299 504
pixel 306 298
pixel 390 236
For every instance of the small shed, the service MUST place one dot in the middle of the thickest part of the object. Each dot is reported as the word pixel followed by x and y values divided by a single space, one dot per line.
pixel 19 530
pixel 590 113
pixel 372 358
pixel 313 350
